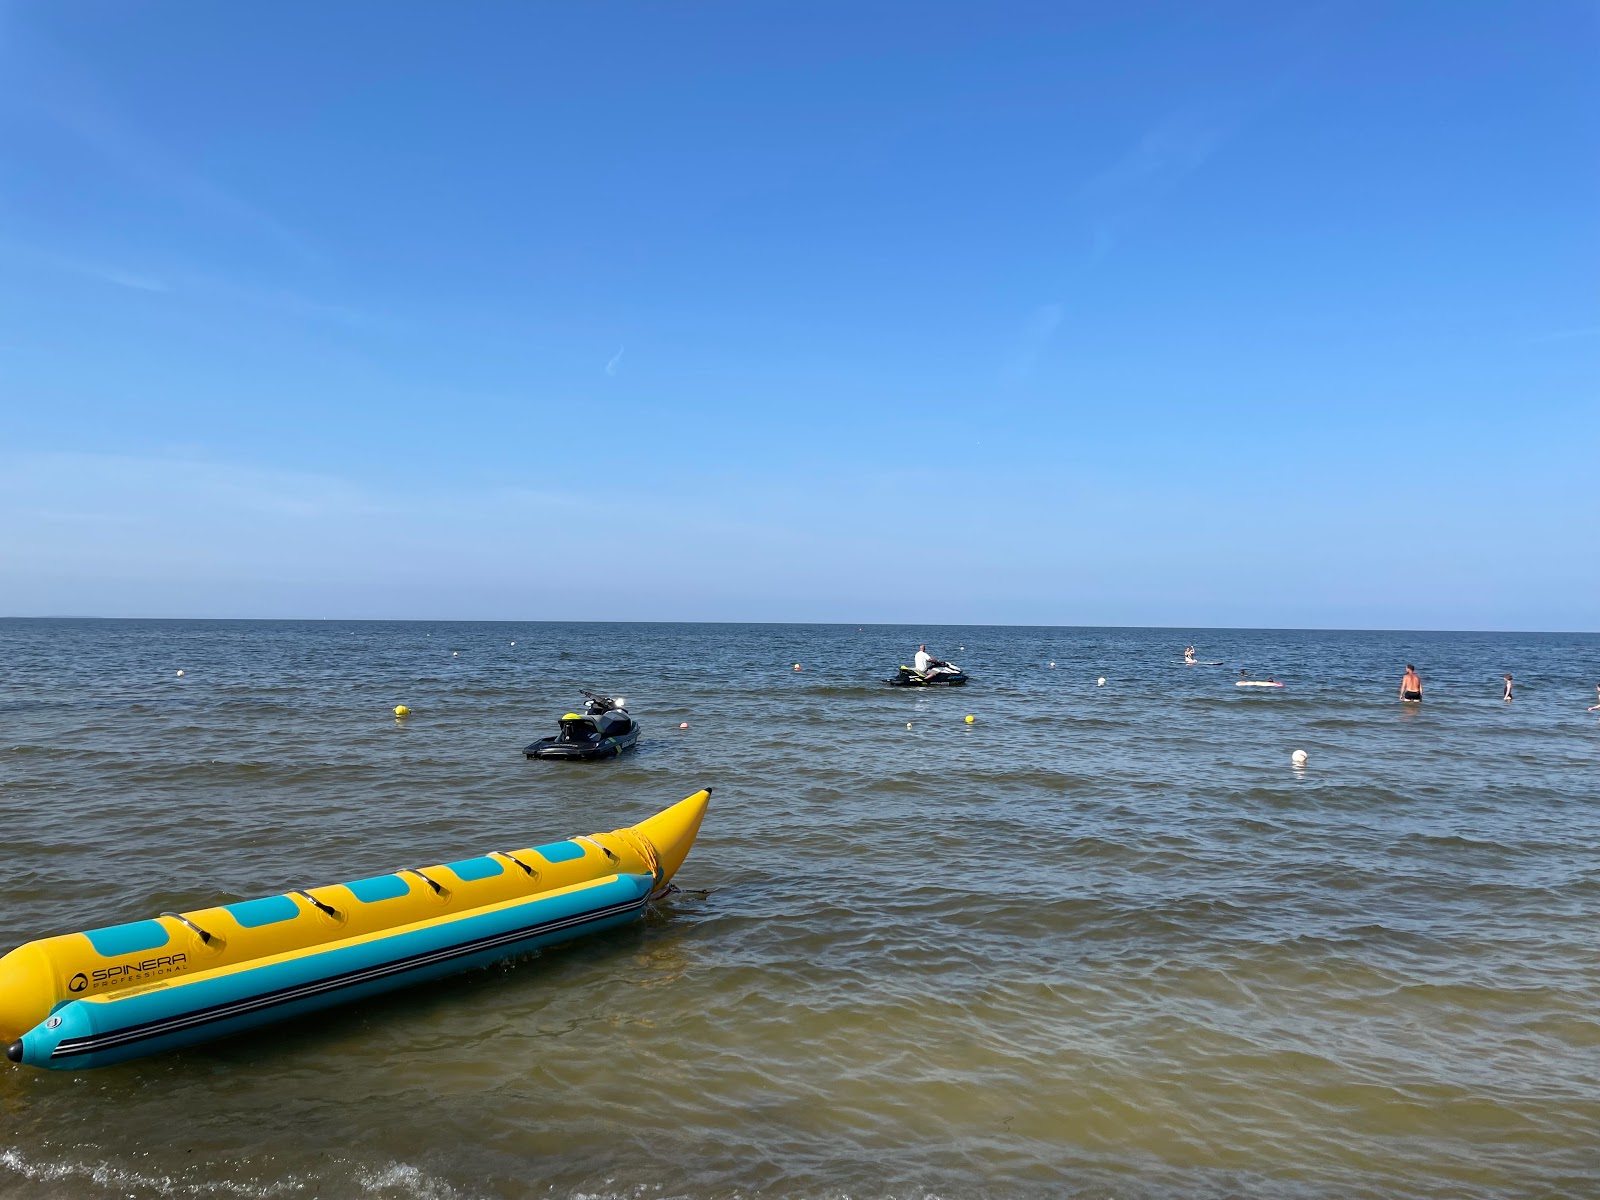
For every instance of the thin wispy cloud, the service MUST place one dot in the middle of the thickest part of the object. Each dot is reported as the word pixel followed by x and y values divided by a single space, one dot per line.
pixel 1166 154
pixel 1033 340
pixel 88 268
pixel 201 289
pixel 616 361
pixel 41 83
pixel 1175 147
pixel 63 484
pixel 125 279
pixel 1564 335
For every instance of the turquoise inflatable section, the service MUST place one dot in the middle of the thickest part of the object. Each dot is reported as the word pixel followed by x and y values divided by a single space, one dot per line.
pixel 560 851
pixel 269 910
pixel 469 869
pixel 116 940
pixel 379 887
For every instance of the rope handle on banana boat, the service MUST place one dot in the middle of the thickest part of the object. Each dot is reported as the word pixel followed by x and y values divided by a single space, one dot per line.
pixel 205 938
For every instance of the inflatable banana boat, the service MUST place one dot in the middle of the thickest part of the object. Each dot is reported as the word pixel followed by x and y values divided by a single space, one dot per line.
pixel 89 999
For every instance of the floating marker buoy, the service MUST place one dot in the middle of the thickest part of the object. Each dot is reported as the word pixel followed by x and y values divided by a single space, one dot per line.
pixel 683 725
pixel 971 718
pixel 797 666
pixel 513 643
pixel 1101 682
pixel 908 724
pixel 180 674
pixel 400 710
pixel 1298 758
pixel 1052 664
pixel 455 654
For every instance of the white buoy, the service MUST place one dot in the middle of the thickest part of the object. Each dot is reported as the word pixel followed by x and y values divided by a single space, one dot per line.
pixel 180 673
pixel 1101 682
pixel 1052 664
pixel 1298 758
pixel 683 724
pixel 908 724
pixel 455 654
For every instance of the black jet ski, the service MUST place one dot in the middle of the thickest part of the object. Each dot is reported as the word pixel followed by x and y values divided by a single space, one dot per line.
pixel 602 730
pixel 938 674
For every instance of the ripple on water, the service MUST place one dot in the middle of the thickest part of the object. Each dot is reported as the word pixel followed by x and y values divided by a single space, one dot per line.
pixel 1104 942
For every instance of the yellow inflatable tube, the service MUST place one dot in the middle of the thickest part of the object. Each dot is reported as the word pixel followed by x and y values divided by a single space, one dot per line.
pixel 37 977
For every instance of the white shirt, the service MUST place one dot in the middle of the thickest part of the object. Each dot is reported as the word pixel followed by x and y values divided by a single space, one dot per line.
pixel 923 659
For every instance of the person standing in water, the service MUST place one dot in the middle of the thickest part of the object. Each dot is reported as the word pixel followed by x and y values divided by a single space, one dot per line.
pixel 1507 696
pixel 1597 697
pixel 1411 685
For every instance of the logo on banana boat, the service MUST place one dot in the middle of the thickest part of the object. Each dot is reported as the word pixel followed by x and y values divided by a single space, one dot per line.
pixel 163 964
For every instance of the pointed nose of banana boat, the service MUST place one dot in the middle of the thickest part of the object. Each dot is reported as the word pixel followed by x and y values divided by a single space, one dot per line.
pixel 673 830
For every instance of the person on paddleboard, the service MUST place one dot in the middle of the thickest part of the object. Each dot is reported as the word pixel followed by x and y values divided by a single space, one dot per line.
pixel 1411 684
pixel 1188 654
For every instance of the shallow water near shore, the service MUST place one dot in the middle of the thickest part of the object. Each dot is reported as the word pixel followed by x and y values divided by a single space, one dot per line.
pixel 1102 942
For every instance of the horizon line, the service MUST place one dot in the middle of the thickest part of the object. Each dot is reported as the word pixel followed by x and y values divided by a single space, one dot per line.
pixel 846 624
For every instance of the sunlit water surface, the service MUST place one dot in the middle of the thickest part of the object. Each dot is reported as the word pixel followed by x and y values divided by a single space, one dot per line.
pixel 1103 942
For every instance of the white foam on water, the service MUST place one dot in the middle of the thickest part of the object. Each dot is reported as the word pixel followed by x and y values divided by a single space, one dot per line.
pixel 104 1175
pixel 406 1182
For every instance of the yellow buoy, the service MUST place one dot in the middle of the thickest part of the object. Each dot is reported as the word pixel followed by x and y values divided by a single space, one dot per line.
pixel 908 724
pixel 400 710
pixel 971 718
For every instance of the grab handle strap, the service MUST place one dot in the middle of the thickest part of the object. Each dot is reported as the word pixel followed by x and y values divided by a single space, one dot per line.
pixel 438 888
pixel 315 903
pixel 205 937
pixel 606 850
pixel 532 871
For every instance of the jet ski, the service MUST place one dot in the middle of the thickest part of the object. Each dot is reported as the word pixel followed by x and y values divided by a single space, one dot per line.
pixel 602 730
pixel 938 674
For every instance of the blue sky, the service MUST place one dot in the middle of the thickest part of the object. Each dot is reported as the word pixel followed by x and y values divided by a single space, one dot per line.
pixel 1237 314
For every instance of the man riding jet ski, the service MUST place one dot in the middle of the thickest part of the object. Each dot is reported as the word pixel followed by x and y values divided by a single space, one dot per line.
pixel 929 672
pixel 604 729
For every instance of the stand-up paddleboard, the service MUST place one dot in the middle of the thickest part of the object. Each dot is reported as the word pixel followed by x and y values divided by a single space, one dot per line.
pixel 1187 662
pixel 1256 683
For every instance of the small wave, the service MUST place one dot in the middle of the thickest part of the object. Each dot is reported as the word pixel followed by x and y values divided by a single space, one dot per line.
pixel 405 1182
pixel 121 1181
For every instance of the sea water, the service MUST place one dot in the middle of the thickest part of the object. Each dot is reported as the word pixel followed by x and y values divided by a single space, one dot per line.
pixel 1103 941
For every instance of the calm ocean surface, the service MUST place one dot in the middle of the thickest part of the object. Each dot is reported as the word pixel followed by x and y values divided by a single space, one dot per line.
pixel 1104 942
